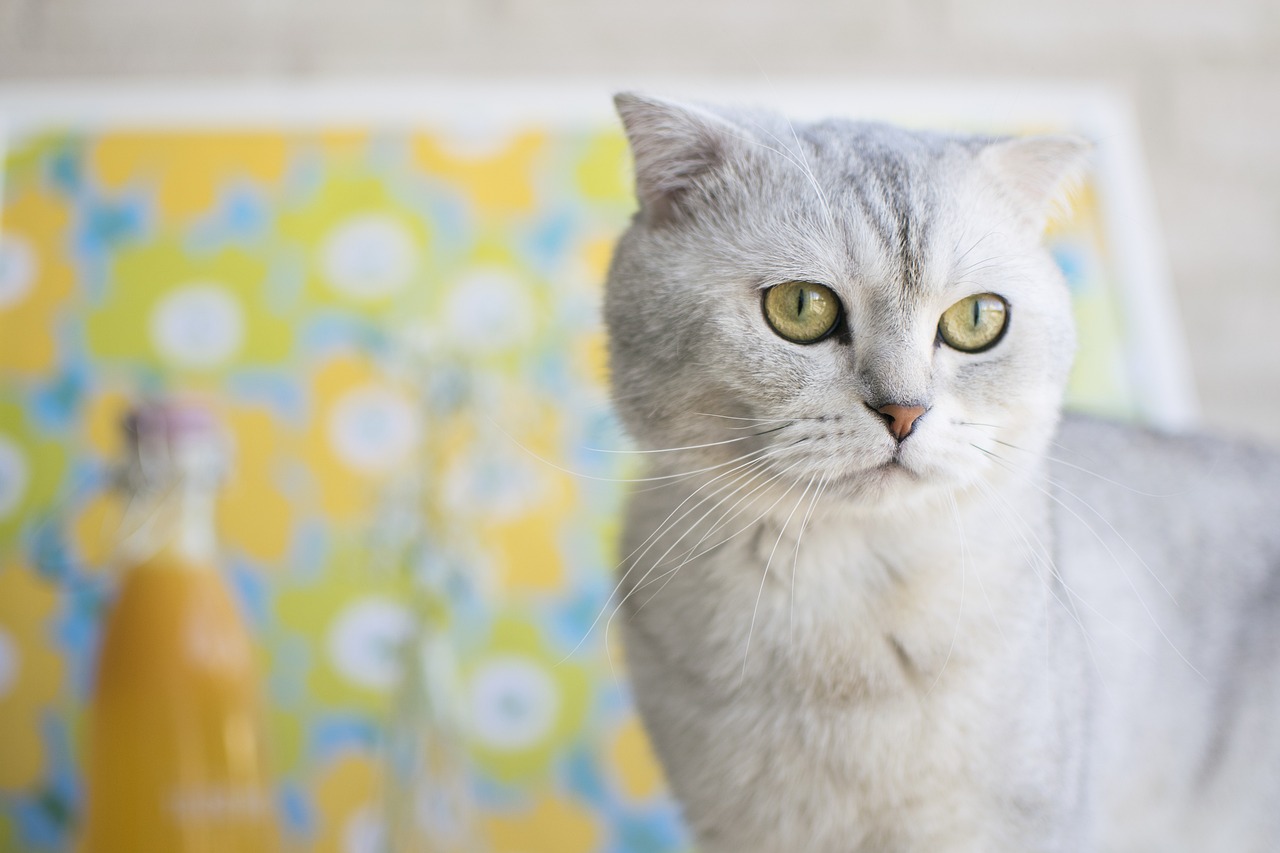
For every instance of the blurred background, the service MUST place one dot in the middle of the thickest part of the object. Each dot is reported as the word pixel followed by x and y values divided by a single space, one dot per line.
pixel 1203 75
pixel 394 321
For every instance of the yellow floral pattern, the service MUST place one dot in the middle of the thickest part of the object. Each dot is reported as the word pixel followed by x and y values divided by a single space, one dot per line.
pixel 186 173
pixel 30 672
pixel 35 281
pixel 550 826
pixel 193 313
pixel 255 513
pixel 497 182
pixel 368 311
pixel 347 796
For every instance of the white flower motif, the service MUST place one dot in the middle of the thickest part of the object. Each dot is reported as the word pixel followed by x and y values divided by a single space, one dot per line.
pixel 489 310
pixel 513 703
pixel 365 832
pixel 503 486
pixel 366 640
pixel 200 324
pixel 373 429
pixel 17 269
pixel 369 257
pixel 8 663
pixel 14 477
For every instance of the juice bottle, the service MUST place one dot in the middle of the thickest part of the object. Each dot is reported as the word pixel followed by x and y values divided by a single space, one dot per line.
pixel 175 761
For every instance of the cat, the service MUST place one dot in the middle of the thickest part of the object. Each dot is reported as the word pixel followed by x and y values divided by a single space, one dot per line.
pixel 879 593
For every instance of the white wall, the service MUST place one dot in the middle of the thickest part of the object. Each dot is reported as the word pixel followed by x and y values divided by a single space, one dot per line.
pixel 1204 75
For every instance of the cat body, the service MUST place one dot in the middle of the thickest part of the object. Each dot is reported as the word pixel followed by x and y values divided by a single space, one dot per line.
pixel 878 596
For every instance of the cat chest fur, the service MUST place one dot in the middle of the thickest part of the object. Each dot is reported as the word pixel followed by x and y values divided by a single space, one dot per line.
pixel 873 707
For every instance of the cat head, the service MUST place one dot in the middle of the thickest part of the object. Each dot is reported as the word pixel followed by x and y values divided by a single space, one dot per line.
pixel 843 301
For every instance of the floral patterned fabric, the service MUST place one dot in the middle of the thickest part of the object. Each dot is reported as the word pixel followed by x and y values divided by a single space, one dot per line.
pixel 278 274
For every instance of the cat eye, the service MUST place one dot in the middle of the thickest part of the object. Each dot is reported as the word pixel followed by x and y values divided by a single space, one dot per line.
pixel 801 312
pixel 975 323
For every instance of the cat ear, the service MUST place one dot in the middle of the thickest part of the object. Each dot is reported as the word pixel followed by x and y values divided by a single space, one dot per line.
pixel 1038 172
pixel 673 146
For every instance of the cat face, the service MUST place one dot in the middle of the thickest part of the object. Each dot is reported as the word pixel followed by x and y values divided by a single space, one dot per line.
pixel 847 302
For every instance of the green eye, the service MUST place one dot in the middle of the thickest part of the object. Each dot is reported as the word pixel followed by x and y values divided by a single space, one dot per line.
pixel 801 312
pixel 975 323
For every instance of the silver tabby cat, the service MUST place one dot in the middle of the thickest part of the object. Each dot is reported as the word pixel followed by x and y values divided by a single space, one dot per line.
pixel 880 595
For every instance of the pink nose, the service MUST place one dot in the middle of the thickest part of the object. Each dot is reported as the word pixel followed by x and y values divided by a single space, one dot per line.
pixel 900 419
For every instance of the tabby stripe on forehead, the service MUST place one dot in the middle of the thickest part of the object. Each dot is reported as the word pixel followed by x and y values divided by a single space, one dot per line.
pixel 889 212
pixel 874 208
pixel 909 230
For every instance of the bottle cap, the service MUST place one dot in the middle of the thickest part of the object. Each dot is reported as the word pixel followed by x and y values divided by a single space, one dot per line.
pixel 169 419
pixel 168 439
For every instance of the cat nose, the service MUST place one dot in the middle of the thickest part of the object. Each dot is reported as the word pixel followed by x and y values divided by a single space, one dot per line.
pixel 900 420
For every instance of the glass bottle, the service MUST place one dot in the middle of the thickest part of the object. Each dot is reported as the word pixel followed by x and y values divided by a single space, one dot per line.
pixel 176 759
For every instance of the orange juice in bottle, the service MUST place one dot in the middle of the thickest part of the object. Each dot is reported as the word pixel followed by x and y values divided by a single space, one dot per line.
pixel 175 761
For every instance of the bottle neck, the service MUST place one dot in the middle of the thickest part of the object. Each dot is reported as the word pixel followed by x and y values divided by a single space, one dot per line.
pixel 174 521
pixel 174 462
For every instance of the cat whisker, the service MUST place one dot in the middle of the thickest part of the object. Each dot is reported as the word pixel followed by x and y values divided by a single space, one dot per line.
pixel 800 162
pixel 1040 556
pixel 740 418
pixel 808 168
pixel 746 652
pixel 735 487
pixel 1051 443
pixel 1091 473
pixel 692 446
pixel 1058 485
pixel 719 524
pixel 725 522
pixel 684 475
pixel 689 556
pixel 804 159
pixel 643 548
pixel 975 245
pixel 755 468
pixel 955 631
pixel 985 263
pixel 656 563
pixel 795 560
pixel 1042 553
pixel 752 422
pixel 1111 553
pixel 955 514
